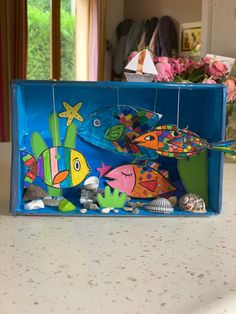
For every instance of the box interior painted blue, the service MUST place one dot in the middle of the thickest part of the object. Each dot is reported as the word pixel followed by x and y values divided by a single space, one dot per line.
pixel 202 109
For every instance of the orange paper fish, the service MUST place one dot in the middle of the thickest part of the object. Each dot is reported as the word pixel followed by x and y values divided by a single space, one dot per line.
pixel 140 181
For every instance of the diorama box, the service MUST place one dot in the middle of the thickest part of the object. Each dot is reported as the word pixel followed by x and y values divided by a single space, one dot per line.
pixel 72 140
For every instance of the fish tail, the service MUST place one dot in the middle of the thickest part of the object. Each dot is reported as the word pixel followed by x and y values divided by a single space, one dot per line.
pixel 224 146
pixel 31 163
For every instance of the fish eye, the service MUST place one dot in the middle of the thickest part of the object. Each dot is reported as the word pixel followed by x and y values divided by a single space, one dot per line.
pixel 126 174
pixel 76 165
pixel 149 138
pixel 176 133
pixel 97 123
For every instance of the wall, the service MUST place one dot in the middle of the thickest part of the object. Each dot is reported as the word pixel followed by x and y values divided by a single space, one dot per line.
pixel 182 11
pixel 115 14
pixel 224 28
pixel 219 27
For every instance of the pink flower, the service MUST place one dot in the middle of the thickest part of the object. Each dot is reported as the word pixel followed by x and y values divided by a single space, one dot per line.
pixel 165 71
pixel 208 81
pixel 188 64
pixel 177 66
pixel 217 69
pixel 206 60
pixel 231 89
pixel 182 65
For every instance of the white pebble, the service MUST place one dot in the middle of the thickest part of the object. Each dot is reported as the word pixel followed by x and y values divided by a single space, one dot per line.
pixel 106 210
pixel 36 204
pixel 83 210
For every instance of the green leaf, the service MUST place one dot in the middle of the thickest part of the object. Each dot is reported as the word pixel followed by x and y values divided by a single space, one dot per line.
pixel 196 73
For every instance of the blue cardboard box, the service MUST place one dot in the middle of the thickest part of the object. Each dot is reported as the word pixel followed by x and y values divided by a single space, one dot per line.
pixel 201 108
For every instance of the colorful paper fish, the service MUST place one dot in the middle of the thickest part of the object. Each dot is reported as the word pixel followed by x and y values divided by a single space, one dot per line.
pixel 170 141
pixel 59 167
pixel 140 181
pixel 114 128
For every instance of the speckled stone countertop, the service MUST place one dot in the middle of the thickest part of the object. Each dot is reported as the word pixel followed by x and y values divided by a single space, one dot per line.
pixel 122 265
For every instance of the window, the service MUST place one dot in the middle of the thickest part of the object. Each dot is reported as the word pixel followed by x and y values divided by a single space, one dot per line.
pixel 62 45
pixel 51 39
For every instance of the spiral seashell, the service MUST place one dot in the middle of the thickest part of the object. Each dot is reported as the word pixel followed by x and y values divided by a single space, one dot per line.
pixel 160 205
pixel 192 203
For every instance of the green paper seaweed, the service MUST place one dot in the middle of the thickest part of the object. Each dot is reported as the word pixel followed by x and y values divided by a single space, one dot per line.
pixel 38 145
pixel 70 136
pixel 194 174
pixel 54 129
pixel 115 200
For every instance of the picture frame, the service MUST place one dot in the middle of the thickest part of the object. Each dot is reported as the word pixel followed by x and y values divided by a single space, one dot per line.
pixel 189 35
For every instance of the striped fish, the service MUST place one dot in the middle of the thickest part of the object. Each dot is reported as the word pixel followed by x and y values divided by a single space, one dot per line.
pixel 59 167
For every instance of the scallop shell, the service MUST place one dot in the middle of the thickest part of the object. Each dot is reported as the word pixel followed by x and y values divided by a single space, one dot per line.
pixel 192 203
pixel 160 205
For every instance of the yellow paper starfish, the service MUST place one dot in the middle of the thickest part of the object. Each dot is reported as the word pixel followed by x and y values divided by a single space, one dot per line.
pixel 71 112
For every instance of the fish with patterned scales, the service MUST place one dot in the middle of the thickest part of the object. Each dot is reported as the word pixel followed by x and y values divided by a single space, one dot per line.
pixel 114 128
pixel 58 167
pixel 139 181
pixel 170 141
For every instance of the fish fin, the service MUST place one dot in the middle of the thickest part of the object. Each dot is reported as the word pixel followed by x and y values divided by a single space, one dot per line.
pixel 226 143
pixel 224 149
pixel 31 163
pixel 223 146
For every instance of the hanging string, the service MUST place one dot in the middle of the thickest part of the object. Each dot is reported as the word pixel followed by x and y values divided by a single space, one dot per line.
pixel 54 112
pixel 118 100
pixel 178 105
pixel 154 107
pixel 155 101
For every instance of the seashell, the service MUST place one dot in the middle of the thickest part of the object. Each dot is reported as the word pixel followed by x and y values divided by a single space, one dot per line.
pixel 91 183
pixel 160 205
pixel 136 204
pixel 192 203
pixel 128 209
pixel 173 200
